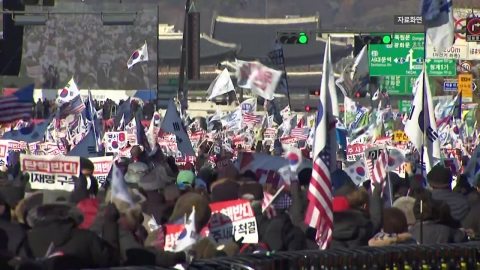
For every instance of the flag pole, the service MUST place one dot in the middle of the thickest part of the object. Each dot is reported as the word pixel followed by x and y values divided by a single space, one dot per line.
pixel 183 60
pixel 157 70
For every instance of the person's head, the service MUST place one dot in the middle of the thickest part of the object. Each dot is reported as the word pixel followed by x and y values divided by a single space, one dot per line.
pixel 424 207
pixel 394 221
pixel 252 192
pixel 463 186
pixel 186 180
pixel 248 175
pixel 136 152
pixel 86 166
pixel 357 198
pixel 439 177
pixel 405 204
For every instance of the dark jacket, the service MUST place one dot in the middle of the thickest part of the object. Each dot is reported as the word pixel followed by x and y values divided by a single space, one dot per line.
pixel 297 214
pixel 156 206
pixel 11 234
pixel 54 232
pixel 355 227
pixel 457 202
pixel 435 233
pixel 134 253
pixel 280 234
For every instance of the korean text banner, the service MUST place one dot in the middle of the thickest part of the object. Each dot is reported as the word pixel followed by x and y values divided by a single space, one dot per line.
pixel 50 172
pixel 102 166
pixel 230 220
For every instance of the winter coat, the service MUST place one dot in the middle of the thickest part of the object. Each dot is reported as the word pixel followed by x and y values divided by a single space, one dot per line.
pixel 54 233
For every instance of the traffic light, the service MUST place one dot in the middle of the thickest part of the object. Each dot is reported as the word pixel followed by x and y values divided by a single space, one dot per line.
pixel 314 92
pixel 292 37
pixel 361 94
pixel 361 40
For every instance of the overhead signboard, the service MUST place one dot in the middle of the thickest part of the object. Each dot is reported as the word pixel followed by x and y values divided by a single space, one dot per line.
pixel 459 51
pixel 401 85
pixel 405 57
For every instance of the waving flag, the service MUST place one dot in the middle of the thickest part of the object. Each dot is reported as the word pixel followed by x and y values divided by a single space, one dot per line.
pixel 439 23
pixel 319 213
pixel 355 76
pixel 17 106
pixel 69 100
pixel 31 133
pixel 124 111
pixel 221 85
pixel 421 127
pixel 188 237
pixel 87 147
pixel 119 186
pixel 380 168
pixel 140 55
pixel 277 58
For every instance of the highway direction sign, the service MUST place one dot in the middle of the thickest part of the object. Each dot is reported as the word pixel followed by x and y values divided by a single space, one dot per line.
pixel 405 57
pixel 451 85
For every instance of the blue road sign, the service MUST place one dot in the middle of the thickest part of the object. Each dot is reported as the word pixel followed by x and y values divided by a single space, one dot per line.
pixel 452 86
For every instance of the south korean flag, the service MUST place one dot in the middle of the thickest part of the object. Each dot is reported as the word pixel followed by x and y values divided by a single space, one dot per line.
pixel 140 55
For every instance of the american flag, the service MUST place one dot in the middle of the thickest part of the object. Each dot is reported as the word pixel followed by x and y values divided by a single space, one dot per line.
pixel 17 106
pixel 75 106
pixel 300 134
pixel 319 214
pixel 251 119
pixel 267 206
pixel 379 171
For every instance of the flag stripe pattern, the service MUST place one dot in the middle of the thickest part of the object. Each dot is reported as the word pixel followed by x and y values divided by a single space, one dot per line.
pixel 251 119
pixel 380 168
pixel 300 134
pixel 270 211
pixel 319 213
pixel 13 107
pixel 75 106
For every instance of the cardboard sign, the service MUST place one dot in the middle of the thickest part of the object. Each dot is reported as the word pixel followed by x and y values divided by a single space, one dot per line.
pixel 400 136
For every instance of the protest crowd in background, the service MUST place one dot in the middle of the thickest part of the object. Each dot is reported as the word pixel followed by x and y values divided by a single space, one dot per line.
pixel 88 188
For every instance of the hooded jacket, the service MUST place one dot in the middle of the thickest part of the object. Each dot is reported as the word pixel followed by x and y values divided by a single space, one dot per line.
pixel 55 233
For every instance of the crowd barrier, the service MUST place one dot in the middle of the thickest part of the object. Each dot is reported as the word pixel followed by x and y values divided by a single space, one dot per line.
pixel 400 257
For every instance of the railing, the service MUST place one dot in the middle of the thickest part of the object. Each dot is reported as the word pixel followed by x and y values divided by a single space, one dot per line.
pixel 400 257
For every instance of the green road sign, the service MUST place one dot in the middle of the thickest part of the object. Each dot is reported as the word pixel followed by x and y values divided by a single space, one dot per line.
pixel 405 56
pixel 401 85
pixel 404 106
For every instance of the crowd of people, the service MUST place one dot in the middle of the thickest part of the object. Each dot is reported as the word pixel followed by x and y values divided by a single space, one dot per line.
pixel 44 108
pixel 88 228
pixel 51 55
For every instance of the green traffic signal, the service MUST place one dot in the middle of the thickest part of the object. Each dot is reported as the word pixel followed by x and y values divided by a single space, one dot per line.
pixel 387 39
pixel 302 39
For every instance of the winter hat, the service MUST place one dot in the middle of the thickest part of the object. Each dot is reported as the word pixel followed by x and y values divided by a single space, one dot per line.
pixel 304 176
pixel 439 176
pixel 184 207
pixel 224 190
pixel 340 204
pixel 208 175
pixel 185 177
pixel 135 172
pixel 251 191
pixel 406 205
pixel 153 180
